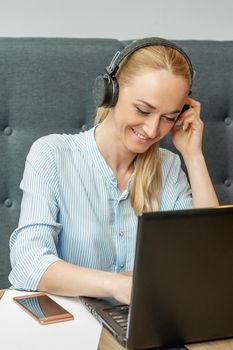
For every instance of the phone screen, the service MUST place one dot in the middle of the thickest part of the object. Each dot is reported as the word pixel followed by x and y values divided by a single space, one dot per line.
pixel 185 108
pixel 43 308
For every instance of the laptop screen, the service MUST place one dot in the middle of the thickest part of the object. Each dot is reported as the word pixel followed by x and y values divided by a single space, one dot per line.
pixel 183 285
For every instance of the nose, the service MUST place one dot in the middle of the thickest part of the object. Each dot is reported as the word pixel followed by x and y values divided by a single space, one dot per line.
pixel 152 127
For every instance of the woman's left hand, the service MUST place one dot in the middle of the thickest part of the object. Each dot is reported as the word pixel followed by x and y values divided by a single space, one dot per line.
pixel 188 130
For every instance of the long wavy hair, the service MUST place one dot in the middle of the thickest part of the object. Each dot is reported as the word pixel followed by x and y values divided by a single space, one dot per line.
pixel 147 180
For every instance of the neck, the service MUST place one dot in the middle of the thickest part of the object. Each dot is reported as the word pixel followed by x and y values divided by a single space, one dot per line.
pixel 119 160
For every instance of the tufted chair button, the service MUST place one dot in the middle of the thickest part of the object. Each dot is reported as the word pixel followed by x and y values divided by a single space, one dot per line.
pixel 228 121
pixel 8 202
pixel 84 127
pixel 227 183
pixel 8 131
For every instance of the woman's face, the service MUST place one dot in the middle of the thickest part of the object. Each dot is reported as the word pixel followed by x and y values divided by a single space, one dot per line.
pixel 147 109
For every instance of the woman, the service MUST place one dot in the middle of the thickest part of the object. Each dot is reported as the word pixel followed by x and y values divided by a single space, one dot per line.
pixel 82 193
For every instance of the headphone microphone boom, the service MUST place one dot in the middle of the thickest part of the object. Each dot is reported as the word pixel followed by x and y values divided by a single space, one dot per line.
pixel 106 88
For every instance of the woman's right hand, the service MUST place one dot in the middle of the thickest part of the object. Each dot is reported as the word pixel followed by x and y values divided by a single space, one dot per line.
pixel 121 287
pixel 63 278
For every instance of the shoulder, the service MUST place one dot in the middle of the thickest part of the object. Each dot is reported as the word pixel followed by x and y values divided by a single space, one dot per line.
pixel 60 141
pixel 176 192
pixel 168 158
pixel 50 153
pixel 170 165
pixel 57 144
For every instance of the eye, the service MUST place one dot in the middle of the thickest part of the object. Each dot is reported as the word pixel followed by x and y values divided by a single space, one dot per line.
pixel 170 120
pixel 142 111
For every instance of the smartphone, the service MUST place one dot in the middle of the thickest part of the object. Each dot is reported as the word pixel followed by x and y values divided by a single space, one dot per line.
pixel 43 308
pixel 178 124
pixel 185 108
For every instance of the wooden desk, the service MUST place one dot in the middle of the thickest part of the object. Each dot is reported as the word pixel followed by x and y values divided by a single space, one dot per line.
pixel 108 342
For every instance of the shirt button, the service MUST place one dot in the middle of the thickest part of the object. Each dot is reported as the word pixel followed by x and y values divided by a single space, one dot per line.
pixel 122 234
pixel 122 265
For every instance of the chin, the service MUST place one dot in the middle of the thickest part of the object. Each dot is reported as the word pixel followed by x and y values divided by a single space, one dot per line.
pixel 139 149
pixel 137 146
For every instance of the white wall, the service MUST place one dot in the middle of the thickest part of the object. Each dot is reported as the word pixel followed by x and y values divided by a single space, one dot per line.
pixel 121 19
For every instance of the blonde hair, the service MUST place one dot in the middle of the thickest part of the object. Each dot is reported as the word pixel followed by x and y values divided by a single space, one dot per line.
pixel 147 180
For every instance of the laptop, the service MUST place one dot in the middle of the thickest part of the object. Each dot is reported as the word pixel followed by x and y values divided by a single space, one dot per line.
pixel 182 289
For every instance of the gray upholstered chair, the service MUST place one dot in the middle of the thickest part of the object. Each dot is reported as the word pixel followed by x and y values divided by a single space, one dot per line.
pixel 46 87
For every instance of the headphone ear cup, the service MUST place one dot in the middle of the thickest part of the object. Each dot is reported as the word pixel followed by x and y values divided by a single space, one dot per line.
pixel 105 91
pixel 115 92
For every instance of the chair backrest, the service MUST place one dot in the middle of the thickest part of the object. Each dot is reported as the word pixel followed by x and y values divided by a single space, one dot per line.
pixel 46 87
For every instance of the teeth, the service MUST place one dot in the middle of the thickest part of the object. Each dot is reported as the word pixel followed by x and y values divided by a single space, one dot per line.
pixel 139 135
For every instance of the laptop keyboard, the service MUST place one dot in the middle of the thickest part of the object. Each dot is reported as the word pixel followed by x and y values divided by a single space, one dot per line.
pixel 120 315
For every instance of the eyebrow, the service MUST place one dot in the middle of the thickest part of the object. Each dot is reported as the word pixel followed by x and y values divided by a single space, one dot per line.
pixel 153 107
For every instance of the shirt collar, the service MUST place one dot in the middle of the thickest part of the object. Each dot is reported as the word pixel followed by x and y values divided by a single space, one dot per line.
pixel 97 157
pixel 102 165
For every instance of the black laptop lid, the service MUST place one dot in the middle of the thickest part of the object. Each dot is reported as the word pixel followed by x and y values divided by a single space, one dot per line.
pixel 183 284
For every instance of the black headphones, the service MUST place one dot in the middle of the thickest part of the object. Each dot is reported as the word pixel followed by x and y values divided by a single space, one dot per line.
pixel 106 88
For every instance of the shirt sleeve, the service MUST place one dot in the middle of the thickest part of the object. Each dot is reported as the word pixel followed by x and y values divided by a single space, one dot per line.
pixel 176 192
pixel 33 243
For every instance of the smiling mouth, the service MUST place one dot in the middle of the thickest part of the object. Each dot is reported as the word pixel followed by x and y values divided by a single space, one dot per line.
pixel 140 136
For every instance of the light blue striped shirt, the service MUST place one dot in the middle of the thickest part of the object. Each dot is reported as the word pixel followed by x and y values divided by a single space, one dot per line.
pixel 73 210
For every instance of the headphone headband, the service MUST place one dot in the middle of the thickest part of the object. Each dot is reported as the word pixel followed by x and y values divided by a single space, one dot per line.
pixel 139 44
pixel 106 88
